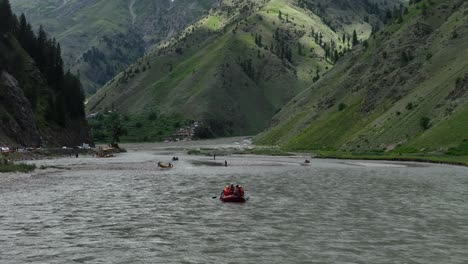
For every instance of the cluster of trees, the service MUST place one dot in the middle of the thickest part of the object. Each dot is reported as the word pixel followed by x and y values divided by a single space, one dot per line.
pixel 281 49
pixel 113 127
pixel 258 40
pixel 248 68
pixel 65 97
pixel 332 51
pixel 93 56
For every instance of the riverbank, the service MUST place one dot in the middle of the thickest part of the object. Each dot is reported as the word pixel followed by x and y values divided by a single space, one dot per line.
pixel 48 153
pixel 251 149
pixel 266 151
pixel 16 161
pixel 411 157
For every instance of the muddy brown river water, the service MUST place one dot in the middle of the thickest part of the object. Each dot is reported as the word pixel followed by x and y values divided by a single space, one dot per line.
pixel 125 210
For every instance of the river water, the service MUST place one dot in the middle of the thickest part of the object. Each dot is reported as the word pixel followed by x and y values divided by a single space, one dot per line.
pixel 125 210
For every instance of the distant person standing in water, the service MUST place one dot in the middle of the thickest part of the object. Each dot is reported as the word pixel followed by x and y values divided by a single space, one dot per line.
pixel 225 163
pixel 214 156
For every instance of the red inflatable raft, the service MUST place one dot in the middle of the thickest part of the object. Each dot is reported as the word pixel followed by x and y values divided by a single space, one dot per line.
pixel 232 199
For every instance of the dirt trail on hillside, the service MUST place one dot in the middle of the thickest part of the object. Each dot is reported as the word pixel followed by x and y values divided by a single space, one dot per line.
pixel 65 2
pixel 132 11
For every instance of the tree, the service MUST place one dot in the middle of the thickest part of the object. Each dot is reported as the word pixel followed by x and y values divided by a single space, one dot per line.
pixel 115 128
pixel 366 44
pixel 73 95
pixel 424 9
pixel 355 38
pixel 6 17
pixel 57 68
pixel 39 53
pixel 60 110
pixel 25 35
pixel 425 122
pixel 341 106
pixel 317 75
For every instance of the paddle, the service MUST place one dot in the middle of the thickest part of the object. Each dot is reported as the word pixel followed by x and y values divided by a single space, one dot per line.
pixel 214 197
pixel 246 198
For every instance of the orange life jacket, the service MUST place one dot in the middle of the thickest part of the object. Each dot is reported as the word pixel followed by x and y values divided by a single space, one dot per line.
pixel 226 190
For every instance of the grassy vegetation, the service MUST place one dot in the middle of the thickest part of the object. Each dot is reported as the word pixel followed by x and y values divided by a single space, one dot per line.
pixel 267 151
pixel 140 128
pixel 6 166
pixel 417 157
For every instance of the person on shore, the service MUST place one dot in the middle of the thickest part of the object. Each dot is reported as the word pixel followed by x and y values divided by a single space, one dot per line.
pixel 225 163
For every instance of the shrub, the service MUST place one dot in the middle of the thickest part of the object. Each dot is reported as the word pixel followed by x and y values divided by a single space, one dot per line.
pixel 425 122
pixel 409 106
pixel 341 106
pixel 152 116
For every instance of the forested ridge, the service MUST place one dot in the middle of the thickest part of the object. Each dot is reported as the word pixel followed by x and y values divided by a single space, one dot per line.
pixel 34 60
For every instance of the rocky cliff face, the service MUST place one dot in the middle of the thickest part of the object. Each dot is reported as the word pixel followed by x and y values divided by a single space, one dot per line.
pixel 17 124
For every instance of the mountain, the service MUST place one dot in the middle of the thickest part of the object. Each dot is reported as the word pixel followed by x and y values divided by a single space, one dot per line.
pixel 403 90
pixel 237 66
pixel 101 38
pixel 40 104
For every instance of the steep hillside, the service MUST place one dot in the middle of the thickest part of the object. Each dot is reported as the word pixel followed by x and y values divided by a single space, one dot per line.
pixel 100 38
pixel 236 67
pixel 406 90
pixel 39 103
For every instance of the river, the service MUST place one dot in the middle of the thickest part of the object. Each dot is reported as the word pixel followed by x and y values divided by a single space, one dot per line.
pixel 125 210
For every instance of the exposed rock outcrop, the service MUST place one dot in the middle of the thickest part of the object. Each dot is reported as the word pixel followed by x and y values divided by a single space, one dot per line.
pixel 17 124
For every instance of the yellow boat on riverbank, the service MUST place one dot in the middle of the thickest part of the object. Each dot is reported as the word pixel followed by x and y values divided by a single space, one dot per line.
pixel 165 166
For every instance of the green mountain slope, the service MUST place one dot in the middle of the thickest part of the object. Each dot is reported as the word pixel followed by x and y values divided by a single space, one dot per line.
pixel 101 38
pixel 404 90
pixel 237 66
